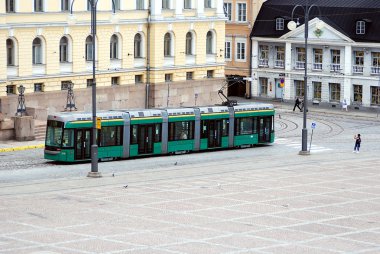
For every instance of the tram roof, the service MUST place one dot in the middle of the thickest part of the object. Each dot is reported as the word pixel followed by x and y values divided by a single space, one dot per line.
pixel 84 116
pixel 253 106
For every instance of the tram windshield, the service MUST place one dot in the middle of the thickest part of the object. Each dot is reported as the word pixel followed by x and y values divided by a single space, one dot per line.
pixel 54 133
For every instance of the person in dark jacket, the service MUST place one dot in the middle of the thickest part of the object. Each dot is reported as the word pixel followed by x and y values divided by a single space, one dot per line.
pixel 358 140
pixel 297 104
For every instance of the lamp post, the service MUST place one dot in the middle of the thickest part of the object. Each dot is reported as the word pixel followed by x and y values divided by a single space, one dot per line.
pixel 70 104
pixel 21 108
pixel 94 146
pixel 291 26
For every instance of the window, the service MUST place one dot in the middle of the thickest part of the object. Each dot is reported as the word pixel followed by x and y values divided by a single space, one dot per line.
pixel 10 52
pixel 138 79
pixel 90 82
pixel 245 126
pixel 240 50
pixel 167 45
pixel 263 86
pixel 10 6
pixel 115 81
pixel 280 57
pixel 209 43
pixel 168 77
pixel 111 136
pixel 181 130
pixel 242 12
pixel 11 89
pixel 317 90
pixel 300 60
pixel 63 50
pixel 318 59
pixel 187 4
pixel 299 87
pixel 228 11
pixel 360 27
pixel 89 50
pixel 375 68
pixel 227 50
pixel 207 3
pixel 140 5
pixel 334 92
pixel 264 55
pixel 335 60
pixel 137 46
pixel 88 6
pixel 117 4
pixel 189 75
pixel 375 95
pixel 114 44
pixel 38 87
pixel 189 43
pixel 65 84
pixel 165 4
pixel 38 5
pixel 358 94
pixel 37 51
pixel 359 57
pixel 279 24
pixel 210 73
pixel 65 5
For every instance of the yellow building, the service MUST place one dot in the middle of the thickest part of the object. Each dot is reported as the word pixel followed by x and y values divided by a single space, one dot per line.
pixel 241 15
pixel 148 52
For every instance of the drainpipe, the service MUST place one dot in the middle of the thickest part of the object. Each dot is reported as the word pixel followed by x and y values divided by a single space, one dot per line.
pixel 147 87
pixel 248 95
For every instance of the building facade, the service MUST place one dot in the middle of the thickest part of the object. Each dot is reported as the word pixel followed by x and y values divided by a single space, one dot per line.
pixel 241 15
pixel 343 53
pixel 148 53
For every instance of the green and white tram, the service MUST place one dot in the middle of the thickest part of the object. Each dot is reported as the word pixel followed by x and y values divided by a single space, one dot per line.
pixel 133 133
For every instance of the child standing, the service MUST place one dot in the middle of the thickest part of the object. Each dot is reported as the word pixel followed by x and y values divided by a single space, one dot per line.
pixel 358 140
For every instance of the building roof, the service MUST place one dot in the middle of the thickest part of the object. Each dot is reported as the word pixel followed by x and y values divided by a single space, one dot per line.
pixel 339 14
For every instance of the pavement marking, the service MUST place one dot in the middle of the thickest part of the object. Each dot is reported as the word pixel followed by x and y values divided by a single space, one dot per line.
pixel 20 148
pixel 297 145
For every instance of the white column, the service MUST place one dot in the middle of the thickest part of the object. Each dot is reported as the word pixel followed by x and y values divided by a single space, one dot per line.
pixel 219 8
pixel 200 8
pixel 255 65
pixel 346 87
pixel 288 68
pixel 179 8
pixel 156 8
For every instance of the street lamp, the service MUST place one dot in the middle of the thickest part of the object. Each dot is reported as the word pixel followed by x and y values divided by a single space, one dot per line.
pixel 94 146
pixel 291 26
pixel 21 108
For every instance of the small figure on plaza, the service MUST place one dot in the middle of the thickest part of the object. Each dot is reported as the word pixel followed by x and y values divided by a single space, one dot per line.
pixel 358 140
pixel 344 105
pixel 297 104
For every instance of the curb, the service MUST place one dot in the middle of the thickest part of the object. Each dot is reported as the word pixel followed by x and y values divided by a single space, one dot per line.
pixel 20 148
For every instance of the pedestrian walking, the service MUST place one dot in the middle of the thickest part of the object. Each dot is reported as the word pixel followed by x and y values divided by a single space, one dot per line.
pixel 344 105
pixel 297 104
pixel 358 140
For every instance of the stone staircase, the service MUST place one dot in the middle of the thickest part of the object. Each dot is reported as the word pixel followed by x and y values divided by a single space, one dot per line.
pixel 39 130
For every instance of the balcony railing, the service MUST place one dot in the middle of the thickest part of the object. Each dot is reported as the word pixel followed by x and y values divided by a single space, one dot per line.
pixel 335 67
pixel 317 66
pixel 357 69
pixel 375 70
pixel 279 64
pixel 300 65
pixel 263 62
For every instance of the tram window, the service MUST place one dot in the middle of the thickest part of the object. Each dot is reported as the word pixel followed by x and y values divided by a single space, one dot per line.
pixel 110 136
pixel 157 133
pixel 204 129
pixel 134 134
pixel 226 123
pixel 181 130
pixel 68 138
pixel 255 125
pixel 244 126
pixel 54 133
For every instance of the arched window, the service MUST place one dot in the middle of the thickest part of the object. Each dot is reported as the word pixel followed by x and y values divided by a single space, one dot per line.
pixel 63 50
pixel 114 47
pixel 189 43
pixel 89 50
pixel 37 51
pixel 138 46
pixel 209 43
pixel 167 45
pixel 10 52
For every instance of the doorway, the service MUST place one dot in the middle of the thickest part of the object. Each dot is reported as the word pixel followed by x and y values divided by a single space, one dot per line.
pixel 82 144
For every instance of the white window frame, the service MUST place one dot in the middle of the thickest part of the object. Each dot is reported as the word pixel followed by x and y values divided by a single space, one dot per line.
pixel 210 43
pixel 64 57
pixel 115 47
pixel 335 90
pixel 38 52
pixel 228 10
pixel 360 27
pixel 140 49
pixel 190 49
pixel 241 13
pixel 9 4
pixel 40 3
pixel 280 24
pixel 13 49
pixel 228 49
pixel 240 50
pixel 89 50
pixel 169 52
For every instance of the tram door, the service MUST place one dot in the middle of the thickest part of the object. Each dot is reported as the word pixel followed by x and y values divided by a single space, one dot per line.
pixel 265 127
pixel 214 133
pixel 82 144
pixel 145 138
